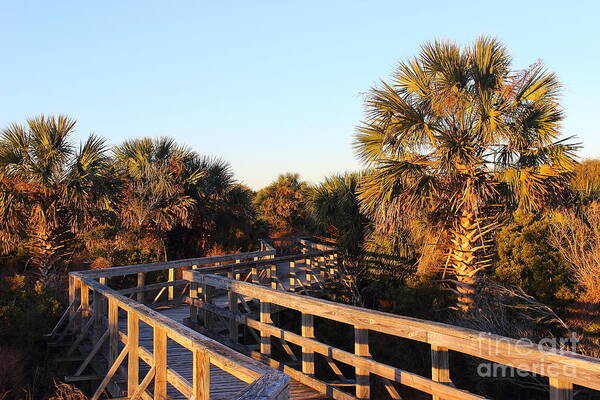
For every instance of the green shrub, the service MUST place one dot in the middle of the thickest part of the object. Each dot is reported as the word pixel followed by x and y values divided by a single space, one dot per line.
pixel 525 258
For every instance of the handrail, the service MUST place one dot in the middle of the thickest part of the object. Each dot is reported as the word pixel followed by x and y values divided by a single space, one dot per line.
pixel 162 265
pixel 564 368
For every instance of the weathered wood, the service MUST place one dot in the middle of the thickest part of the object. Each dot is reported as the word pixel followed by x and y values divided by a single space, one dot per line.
pixel 440 366
pixel 308 356
pixel 97 346
pixel 163 265
pixel 171 289
pixel 115 365
pixel 361 348
pixel 133 362
pixel 292 278
pixel 143 385
pixel 560 389
pixel 113 329
pixel 201 375
pixel 267 387
pixel 265 338
pixel 193 307
pixel 233 308
pixel 160 363
pixel 141 281
pixel 495 348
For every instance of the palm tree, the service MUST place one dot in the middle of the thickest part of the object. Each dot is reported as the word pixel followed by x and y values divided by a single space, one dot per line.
pixel 157 174
pixel 223 215
pixel 458 135
pixel 334 207
pixel 49 191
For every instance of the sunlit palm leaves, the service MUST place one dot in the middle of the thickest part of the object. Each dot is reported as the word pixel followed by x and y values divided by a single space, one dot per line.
pixel 48 190
pixel 456 132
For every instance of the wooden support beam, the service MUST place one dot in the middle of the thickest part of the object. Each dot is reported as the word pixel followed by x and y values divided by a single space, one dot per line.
pixel 85 300
pixel 361 348
pixel 171 289
pixel 143 385
pixel 233 308
pixel 193 306
pixel 307 271
pixel 292 276
pixel 111 372
pixel 141 282
pixel 205 294
pixel 321 267
pixel 265 337
pixel 201 375
pixel 560 389
pixel 160 363
pixel 274 277
pixel 113 329
pixel 308 355
pixel 92 354
pixel 133 362
pixel 440 366
pixel 254 275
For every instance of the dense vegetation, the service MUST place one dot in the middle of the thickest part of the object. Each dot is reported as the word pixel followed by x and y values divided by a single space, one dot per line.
pixel 471 210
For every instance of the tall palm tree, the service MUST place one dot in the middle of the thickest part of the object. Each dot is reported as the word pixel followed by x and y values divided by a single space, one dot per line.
pixel 49 191
pixel 157 174
pixel 456 134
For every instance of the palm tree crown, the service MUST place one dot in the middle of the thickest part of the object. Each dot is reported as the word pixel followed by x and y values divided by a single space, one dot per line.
pixel 458 133
pixel 49 191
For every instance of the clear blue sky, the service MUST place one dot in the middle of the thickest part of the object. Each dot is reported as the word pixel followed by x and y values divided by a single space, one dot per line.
pixel 272 86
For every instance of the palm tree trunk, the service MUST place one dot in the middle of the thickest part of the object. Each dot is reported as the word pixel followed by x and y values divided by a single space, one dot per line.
pixel 463 259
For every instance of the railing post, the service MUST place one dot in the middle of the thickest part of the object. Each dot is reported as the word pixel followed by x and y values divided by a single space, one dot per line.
pixel 265 338
pixel 308 271
pixel 72 297
pixel 205 300
pixel 233 308
pixel 201 375
pixel 292 276
pixel 273 275
pixel 113 329
pixel 141 281
pixel 98 308
pixel 332 266
pixel 77 297
pixel 171 289
pixel 133 362
pixel 160 363
pixel 308 356
pixel 440 366
pixel 560 389
pixel 85 300
pixel 254 274
pixel 361 348
pixel 321 265
pixel 193 299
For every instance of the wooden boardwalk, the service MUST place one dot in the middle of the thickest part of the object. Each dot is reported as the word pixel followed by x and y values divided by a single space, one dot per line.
pixel 223 386
pixel 142 350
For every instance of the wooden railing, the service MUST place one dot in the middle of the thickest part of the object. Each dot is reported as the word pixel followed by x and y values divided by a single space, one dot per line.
pixel 98 310
pixel 564 369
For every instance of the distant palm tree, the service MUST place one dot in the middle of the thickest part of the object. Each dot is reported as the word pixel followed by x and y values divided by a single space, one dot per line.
pixel 456 134
pixel 223 215
pixel 335 208
pixel 157 174
pixel 49 191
